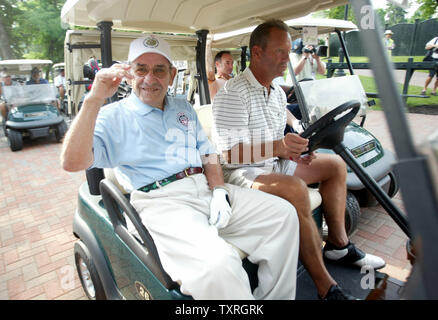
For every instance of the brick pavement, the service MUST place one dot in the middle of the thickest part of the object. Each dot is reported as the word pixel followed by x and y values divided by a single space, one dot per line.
pixel 377 233
pixel 38 200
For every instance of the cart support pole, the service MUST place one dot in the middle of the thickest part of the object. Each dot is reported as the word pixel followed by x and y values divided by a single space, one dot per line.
pixel 344 49
pixel 243 58
pixel 105 41
pixel 94 175
pixel 204 93
pixel 416 178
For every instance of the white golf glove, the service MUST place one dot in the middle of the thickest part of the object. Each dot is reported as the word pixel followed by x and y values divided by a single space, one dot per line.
pixel 220 209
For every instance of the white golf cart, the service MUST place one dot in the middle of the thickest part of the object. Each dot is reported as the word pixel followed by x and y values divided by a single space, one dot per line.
pixel 112 263
pixel 20 68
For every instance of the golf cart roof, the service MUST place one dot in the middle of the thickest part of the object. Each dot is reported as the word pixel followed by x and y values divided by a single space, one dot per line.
pixel 23 66
pixel 323 25
pixel 181 45
pixel 182 48
pixel 239 38
pixel 184 16
pixel 59 65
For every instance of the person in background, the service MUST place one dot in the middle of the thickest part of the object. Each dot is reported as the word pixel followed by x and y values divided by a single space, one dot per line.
pixel 223 62
pixel 94 64
pixel 389 42
pixel 432 45
pixel 60 83
pixel 35 77
pixel 6 80
pixel 306 62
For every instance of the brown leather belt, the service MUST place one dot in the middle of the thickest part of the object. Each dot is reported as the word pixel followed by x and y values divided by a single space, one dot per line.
pixel 177 176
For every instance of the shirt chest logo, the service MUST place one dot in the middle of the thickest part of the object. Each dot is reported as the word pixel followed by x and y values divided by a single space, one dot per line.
pixel 182 118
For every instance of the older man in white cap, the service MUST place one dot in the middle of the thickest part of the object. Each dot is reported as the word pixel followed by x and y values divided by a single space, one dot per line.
pixel 161 155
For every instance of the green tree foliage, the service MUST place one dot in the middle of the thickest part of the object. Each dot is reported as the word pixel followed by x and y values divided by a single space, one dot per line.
pixel 8 38
pixel 380 13
pixel 426 10
pixel 390 15
pixel 32 29
pixel 40 24
pixel 395 14
pixel 336 13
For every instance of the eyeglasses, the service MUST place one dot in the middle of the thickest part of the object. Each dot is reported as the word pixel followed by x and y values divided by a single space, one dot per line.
pixel 159 71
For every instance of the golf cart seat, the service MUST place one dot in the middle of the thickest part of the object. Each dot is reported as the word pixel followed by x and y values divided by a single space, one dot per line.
pixel 109 174
pixel 205 116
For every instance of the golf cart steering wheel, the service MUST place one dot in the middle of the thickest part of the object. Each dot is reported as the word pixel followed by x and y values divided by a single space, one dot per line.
pixel 328 132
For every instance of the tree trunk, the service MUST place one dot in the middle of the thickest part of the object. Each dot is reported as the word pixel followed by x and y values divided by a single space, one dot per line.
pixel 5 47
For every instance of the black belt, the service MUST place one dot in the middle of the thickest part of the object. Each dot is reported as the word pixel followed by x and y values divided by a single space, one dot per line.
pixel 177 176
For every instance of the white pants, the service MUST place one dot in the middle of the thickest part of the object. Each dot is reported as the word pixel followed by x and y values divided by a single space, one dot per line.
pixel 196 254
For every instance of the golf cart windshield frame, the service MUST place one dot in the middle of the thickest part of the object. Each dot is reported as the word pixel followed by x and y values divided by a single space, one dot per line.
pixel 29 94
pixel 302 104
pixel 416 178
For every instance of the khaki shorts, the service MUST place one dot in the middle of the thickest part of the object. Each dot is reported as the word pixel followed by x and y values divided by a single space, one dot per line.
pixel 245 176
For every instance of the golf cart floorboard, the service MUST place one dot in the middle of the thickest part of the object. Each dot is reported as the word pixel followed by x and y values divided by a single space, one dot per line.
pixel 351 280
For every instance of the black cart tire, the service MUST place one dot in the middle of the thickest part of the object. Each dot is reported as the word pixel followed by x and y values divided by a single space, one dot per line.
pixel 393 186
pixel 87 271
pixel 352 213
pixel 15 139
pixel 60 131
pixel 64 107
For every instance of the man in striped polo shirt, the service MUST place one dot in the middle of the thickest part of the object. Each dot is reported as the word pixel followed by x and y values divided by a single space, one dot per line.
pixel 249 120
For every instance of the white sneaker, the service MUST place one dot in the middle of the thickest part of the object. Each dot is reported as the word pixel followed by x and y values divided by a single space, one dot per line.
pixel 351 255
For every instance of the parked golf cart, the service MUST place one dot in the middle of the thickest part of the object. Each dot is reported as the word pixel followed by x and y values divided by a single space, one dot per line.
pixel 32 109
pixel 112 263
pixel 20 68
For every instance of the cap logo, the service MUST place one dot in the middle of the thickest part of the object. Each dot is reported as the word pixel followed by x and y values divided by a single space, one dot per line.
pixel 151 42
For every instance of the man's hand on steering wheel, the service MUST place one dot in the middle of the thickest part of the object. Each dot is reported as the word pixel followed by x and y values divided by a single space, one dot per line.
pixel 291 146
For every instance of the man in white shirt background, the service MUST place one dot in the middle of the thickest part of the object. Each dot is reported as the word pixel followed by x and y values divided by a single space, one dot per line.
pixel 306 62
pixel 60 83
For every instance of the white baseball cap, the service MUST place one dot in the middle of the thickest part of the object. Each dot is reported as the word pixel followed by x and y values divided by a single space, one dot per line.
pixel 149 44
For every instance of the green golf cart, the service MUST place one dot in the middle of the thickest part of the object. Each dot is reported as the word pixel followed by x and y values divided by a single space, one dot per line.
pixel 113 263
pixel 31 109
